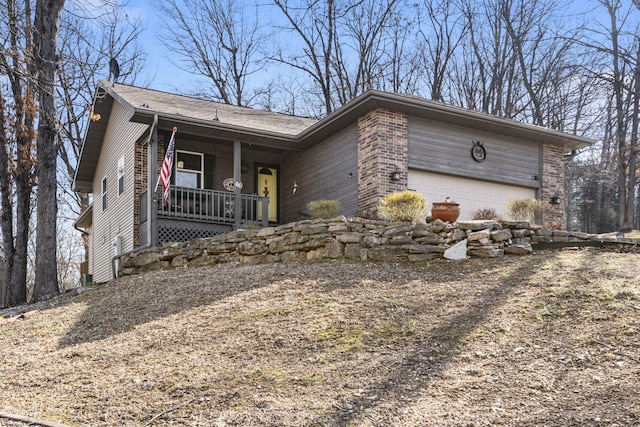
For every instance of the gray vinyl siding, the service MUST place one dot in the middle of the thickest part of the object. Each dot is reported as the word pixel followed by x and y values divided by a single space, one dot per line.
pixel 443 148
pixel 322 172
pixel 117 218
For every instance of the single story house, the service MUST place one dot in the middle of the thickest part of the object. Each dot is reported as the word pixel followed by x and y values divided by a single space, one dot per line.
pixel 270 165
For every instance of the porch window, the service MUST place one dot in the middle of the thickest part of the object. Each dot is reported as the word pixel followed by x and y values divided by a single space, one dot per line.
pixel 189 169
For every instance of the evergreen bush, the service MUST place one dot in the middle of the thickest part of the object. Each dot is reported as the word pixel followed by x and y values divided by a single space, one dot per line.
pixel 323 209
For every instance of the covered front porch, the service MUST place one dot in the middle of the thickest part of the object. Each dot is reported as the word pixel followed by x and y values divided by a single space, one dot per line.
pixel 192 213
pixel 217 186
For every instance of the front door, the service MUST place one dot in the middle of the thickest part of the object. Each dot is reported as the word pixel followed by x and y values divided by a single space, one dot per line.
pixel 267 185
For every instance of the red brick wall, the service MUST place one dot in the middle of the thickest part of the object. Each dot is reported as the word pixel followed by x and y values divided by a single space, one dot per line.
pixel 552 184
pixel 382 149
pixel 139 185
pixel 140 181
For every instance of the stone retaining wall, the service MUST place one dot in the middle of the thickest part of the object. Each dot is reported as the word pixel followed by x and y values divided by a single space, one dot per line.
pixel 353 238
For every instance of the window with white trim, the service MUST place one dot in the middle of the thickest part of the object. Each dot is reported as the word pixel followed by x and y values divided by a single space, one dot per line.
pixel 189 169
pixel 121 176
pixel 104 193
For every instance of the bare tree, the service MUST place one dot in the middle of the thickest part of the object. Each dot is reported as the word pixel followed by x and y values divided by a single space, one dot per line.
pixel 314 23
pixel 218 40
pixel 489 74
pixel 634 146
pixel 87 43
pixel 16 153
pixel 440 34
pixel 617 70
pixel 363 35
pixel 401 67
pixel 46 26
pixel 345 47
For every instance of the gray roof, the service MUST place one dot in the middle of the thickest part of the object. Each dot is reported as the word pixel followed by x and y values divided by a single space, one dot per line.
pixel 148 101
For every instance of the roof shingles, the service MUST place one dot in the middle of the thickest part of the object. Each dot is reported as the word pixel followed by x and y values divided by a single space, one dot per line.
pixel 165 103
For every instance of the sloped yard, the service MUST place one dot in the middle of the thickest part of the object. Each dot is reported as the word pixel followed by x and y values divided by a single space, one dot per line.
pixel 549 339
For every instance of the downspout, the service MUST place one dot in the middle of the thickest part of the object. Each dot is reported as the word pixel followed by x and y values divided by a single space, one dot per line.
pixel 152 174
pixel 237 180
pixel 82 232
pixel 114 273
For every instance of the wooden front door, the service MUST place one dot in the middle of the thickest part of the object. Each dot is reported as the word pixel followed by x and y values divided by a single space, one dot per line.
pixel 267 185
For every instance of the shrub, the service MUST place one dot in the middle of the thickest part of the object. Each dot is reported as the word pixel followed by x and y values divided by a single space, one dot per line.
pixel 525 210
pixel 486 213
pixel 323 209
pixel 403 206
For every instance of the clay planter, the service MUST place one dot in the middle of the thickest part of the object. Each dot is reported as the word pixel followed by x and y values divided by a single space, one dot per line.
pixel 446 211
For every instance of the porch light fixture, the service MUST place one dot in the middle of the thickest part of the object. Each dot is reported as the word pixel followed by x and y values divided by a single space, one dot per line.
pixel 395 176
pixel 265 171
pixel 555 199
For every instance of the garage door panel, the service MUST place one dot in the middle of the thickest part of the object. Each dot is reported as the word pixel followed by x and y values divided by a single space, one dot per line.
pixel 470 193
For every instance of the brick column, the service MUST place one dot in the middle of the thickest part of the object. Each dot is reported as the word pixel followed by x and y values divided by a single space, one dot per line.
pixel 382 149
pixel 552 184
pixel 141 182
pixel 139 185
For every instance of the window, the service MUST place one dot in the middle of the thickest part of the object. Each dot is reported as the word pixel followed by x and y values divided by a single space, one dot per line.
pixel 121 176
pixel 104 193
pixel 189 169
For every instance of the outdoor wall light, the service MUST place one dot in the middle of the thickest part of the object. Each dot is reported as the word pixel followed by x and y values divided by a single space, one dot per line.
pixel 555 199
pixel 395 176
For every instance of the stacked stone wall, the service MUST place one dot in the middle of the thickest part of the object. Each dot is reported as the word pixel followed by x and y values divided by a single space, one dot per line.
pixel 352 239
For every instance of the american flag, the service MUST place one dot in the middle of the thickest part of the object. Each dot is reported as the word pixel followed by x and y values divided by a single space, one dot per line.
pixel 167 166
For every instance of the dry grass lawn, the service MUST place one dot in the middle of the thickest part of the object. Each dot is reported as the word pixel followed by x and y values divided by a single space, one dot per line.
pixel 549 339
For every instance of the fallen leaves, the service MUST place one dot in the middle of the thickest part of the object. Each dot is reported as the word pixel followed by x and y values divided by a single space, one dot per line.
pixel 525 340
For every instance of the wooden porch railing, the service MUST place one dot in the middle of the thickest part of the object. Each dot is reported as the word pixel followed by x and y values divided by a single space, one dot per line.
pixel 210 205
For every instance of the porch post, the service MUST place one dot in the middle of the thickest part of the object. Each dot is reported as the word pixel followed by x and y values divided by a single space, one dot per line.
pixel 152 167
pixel 237 188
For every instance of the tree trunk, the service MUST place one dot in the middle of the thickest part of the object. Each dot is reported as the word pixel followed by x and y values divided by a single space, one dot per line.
pixel 6 214
pixel 46 29
pixel 23 188
pixel 16 181
pixel 633 149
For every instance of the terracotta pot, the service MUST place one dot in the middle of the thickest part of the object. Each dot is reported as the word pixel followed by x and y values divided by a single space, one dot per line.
pixel 446 211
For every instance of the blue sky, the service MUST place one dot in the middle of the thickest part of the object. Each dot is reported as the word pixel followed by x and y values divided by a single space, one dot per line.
pixel 163 75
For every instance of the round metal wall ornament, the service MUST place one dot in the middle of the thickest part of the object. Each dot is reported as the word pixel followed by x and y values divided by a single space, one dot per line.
pixel 478 153
pixel 228 184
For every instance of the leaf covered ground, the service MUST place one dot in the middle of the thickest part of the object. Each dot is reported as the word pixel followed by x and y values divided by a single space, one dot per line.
pixel 548 339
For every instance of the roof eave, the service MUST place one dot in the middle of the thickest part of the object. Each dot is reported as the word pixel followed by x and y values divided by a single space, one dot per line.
pixel 85 219
pixel 440 112
pixel 82 180
pixel 82 186
pixel 219 130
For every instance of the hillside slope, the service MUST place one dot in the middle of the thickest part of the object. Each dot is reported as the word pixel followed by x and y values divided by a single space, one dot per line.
pixel 549 339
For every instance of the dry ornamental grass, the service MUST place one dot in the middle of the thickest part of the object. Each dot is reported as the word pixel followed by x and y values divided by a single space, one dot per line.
pixel 548 339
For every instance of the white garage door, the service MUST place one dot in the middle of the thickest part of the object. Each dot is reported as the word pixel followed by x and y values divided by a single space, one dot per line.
pixel 471 194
